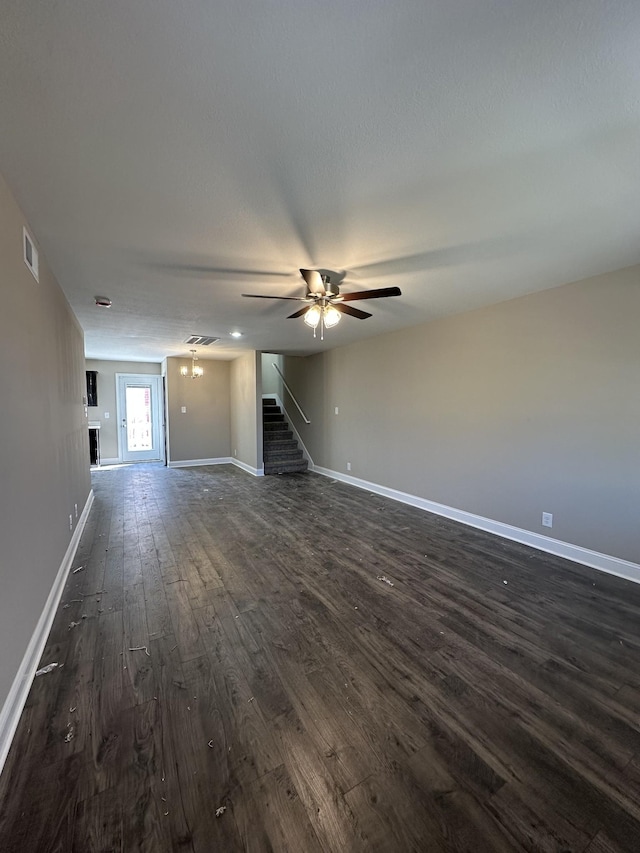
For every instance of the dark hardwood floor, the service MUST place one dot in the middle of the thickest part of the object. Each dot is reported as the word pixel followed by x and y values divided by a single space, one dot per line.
pixel 241 678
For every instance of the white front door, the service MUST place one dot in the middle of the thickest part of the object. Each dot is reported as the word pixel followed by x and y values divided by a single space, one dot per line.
pixel 140 432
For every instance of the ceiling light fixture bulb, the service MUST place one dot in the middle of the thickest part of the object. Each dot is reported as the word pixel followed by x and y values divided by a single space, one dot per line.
pixel 236 334
pixel 331 316
pixel 312 317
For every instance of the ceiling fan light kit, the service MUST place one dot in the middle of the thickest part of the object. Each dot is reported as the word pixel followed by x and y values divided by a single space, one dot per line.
pixel 325 315
pixel 326 301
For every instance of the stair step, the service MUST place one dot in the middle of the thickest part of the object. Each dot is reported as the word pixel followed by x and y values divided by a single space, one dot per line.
pixel 276 436
pixel 282 455
pixel 291 467
pixel 274 442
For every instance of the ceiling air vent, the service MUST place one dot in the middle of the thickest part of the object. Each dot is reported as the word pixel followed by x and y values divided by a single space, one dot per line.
pixel 30 253
pixel 201 340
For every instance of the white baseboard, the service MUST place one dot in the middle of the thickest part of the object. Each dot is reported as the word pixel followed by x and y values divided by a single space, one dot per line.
pixel 256 472
pixel 193 463
pixel 15 702
pixel 219 460
pixel 114 461
pixel 603 562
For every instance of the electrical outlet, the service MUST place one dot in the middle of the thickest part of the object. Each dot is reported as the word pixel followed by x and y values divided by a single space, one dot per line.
pixel 183 409
pixel 76 509
pixel 547 519
pixel 107 416
pixel 235 452
pixel 70 522
pixel 348 466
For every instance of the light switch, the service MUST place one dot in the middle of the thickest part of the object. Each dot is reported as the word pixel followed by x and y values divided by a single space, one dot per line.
pixel 107 416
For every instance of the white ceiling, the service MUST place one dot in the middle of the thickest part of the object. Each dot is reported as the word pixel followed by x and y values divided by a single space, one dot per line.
pixel 172 156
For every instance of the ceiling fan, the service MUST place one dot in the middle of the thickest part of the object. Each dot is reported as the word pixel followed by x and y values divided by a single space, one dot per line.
pixel 326 303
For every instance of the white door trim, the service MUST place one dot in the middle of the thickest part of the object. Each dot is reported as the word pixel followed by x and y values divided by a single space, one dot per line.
pixel 157 412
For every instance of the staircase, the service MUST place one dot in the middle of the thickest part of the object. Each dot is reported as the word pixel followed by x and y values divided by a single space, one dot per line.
pixel 280 450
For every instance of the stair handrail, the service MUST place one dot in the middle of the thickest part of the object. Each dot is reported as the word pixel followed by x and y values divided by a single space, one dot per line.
pixel 291 394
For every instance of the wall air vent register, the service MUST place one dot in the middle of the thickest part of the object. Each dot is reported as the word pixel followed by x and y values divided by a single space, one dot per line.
pixel 201 340
pixel 30 254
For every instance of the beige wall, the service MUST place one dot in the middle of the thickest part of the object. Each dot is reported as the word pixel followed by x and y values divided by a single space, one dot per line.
pixel 531 405
pixel 203 431
pixel 107 399
pixel 246 415
pixel 271 381
pixel 44 452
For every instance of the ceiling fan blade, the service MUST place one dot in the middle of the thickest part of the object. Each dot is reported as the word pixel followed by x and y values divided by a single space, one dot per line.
pixel 262 296
pixel 380 293
pixel 353 312
pixel 298 313
pixel 313 281
pixel 203 270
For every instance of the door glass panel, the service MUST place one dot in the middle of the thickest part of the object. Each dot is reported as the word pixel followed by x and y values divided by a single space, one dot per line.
pixel 139 432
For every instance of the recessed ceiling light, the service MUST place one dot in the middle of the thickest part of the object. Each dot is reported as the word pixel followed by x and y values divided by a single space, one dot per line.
pixel 236 334
pixel 103 302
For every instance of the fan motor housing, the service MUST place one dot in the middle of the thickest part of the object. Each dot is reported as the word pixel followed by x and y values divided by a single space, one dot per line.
pixel 330 289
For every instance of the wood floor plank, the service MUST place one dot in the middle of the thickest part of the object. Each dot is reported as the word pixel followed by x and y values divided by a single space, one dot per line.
pixel 157 609
pixel 602 844
pixel 334 822
pixel 150 793
pixel 99 825
pixel 196 774
pixel 464 818
pixel 138 678
pixel 185 627
pixel 331 729
pixel 271 817
pixel 43 822
pixel 217 682
pixel 288 663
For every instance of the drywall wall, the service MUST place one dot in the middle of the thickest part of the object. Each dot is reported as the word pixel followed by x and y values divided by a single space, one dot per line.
pixel 531 405
pixel 107 399
pixel 203 430
pixel 246 414
pixel 271 381
pixel 44 449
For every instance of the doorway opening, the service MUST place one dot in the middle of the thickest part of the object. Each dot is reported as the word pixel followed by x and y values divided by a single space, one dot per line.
pixel 140 409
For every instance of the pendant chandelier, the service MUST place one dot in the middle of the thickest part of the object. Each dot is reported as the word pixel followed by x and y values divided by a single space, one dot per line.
pixel 196 370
